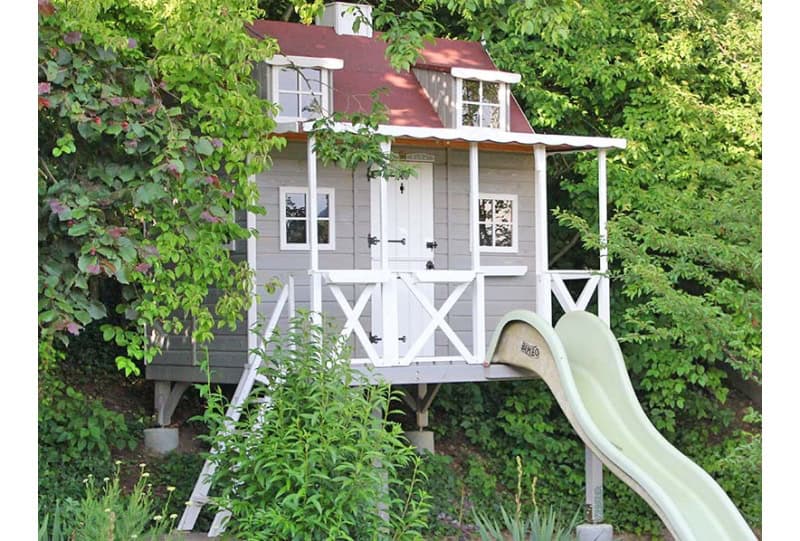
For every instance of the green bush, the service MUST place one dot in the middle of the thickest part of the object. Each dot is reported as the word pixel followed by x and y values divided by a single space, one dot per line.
pixel 106 514
pixel 308 458
pixel 76 436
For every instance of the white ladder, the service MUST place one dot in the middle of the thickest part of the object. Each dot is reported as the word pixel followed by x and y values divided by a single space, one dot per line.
pixel 249 377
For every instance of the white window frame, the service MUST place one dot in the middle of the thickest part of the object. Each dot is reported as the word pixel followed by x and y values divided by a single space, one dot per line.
pixel 502 95
pixel 324 76
pixel 330 192
pixel 514 248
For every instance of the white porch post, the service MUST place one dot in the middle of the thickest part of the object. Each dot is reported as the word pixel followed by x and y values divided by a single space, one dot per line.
pixel 543 294
pixel 252 310
pixel 390 335
pixel 593 466
pixel 316 278
pixel 478 292
pixel 603 293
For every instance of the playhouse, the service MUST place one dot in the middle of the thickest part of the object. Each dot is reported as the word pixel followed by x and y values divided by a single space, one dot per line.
pixel 419 273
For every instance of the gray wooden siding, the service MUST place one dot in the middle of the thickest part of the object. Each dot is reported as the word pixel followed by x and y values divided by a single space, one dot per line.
pixel 440 87
pixel 499 173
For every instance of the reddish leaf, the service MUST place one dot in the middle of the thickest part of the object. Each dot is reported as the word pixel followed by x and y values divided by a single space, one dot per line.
pixel 46 8
pixel 117 232
pixel 207 216
pixel 73 328
pixel 44 88
pixel 143 267
pixel 131 43
pixel 93 268
pixel 44 102
pixel 72 37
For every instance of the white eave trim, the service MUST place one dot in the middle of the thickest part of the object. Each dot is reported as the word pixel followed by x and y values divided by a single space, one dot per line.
pixel 306 62
pixel 489 135
pixel 490 76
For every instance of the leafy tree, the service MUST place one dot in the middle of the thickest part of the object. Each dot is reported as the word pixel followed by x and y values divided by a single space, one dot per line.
pixel 149 128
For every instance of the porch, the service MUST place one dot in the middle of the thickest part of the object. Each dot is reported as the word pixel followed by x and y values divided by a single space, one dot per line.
pixel 398 314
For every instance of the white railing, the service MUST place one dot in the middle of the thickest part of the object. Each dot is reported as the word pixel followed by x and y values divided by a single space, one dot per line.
pixel 386 284
pixel 596 281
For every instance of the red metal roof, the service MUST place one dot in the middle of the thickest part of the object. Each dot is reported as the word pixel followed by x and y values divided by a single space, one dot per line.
pixel 366 69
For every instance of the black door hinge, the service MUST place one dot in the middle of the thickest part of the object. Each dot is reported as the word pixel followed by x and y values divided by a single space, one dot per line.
pixel 374 339
pixel 431 245
pixel 372 240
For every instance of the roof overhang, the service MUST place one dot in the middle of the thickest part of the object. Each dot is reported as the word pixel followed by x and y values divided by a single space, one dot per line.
pixel 553 143
pixel 489 76
pixel 306 62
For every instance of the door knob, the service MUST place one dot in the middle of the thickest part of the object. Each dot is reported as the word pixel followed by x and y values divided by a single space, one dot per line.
pixel 429 265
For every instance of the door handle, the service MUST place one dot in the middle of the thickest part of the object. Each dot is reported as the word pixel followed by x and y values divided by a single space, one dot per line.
pixel 429 265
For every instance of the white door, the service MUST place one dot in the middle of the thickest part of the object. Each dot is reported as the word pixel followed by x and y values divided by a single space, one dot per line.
pixel 410 226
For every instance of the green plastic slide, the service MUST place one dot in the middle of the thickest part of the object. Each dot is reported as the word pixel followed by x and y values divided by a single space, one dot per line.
pixel 582 364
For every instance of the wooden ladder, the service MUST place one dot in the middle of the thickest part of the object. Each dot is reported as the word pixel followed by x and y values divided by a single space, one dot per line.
pixel 250 377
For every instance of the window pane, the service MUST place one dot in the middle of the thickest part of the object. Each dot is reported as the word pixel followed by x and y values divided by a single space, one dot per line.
pixel 470 115
pixel 471 90
pixel 502 210
pixel 295 231
pixel 490 93
pixel 322 206
pixel 485 234
pixel 502 235
pixel 309 105
pixel 323 231
pixel 485 210
pixel 287 79
pixel 288 103
pixel 311 79
pixel 295 205
pixel 491 116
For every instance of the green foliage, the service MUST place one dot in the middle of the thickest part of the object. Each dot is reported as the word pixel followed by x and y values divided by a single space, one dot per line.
pixel 108 514
pixel 536 526
pixel 179 470
pixel 149 127
pixel 313 462
pixel 360 145
pixel 76 437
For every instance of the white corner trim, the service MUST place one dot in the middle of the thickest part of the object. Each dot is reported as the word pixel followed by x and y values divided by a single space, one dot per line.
pixel 306 62
pixel 490 76
pixel 330 192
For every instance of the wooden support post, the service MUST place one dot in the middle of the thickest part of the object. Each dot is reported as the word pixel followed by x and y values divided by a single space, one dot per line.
pixel 594 468
pixel 542 264
pixel 389 317
pixel 252 311
pixel 316 279
pixel 478 292
pixel 603 291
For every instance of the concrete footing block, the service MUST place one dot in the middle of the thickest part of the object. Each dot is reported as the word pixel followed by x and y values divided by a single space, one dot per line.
pixel 421 439
pixel 594 532
pixel 160 440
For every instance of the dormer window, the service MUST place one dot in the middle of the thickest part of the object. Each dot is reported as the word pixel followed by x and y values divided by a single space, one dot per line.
pixel 480 104
pixel 482 97
pixel 300 93
pixel 301 85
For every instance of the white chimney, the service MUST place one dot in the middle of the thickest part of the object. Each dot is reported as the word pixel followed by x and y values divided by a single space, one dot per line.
pixel 337 16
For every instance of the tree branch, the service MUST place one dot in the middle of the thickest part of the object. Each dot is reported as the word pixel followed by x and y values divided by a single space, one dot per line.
pixel 565 249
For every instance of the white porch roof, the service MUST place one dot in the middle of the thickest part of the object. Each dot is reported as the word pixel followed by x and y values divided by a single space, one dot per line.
pixel 552 142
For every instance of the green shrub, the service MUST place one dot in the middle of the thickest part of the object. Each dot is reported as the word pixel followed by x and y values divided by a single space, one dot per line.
pixel 106 514
pixel 180 470
pixel 536 525
pixel 76 436
pixel 313 461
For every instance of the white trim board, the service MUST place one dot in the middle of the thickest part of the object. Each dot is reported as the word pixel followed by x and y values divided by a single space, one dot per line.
pixel 489 76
